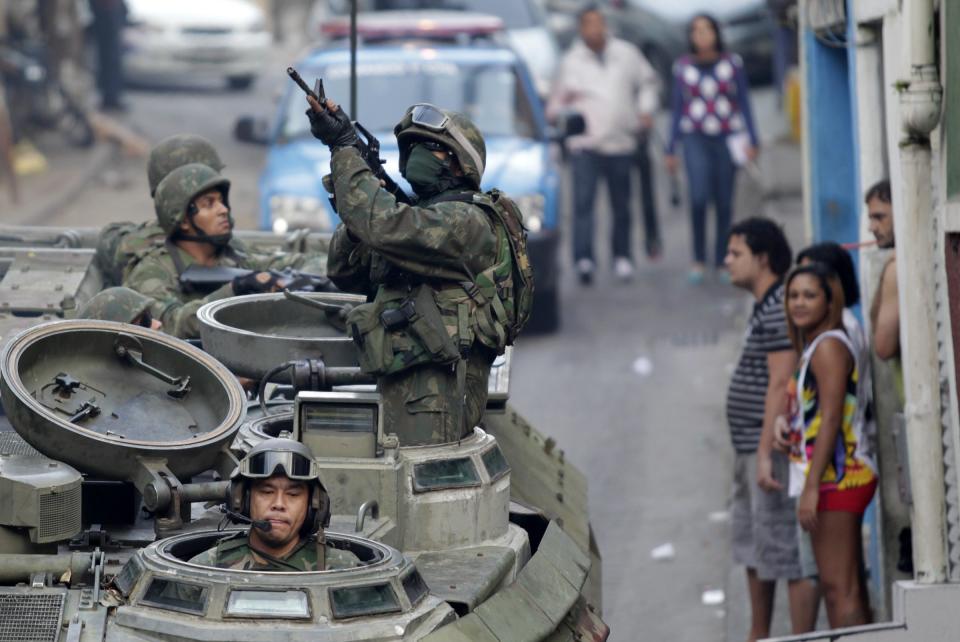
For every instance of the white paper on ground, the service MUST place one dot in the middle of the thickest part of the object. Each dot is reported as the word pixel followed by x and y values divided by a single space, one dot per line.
pixel 663 552
pixel 712 597
pixel 642 366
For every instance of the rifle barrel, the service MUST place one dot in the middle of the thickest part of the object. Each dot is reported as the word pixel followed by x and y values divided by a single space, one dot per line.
pixel 300 83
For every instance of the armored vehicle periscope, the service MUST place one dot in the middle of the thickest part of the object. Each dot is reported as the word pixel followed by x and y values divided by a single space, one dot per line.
pixel 117 442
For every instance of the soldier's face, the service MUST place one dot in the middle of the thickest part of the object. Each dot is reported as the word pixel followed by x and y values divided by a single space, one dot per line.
pixel 213 215
pixel 283 503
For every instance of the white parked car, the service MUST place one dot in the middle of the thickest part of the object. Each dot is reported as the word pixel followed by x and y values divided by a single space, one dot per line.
pixel 173 39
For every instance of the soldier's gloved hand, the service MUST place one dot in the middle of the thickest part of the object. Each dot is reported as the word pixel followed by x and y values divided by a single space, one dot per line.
pixel 302 282
pixel 331 125
pixel 256 282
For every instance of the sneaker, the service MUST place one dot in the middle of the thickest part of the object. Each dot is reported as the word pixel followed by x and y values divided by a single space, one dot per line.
pixel 695 276
pixel 585 271
pixel 623 268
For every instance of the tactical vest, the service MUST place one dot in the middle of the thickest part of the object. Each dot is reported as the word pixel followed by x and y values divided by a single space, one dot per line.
pixel 409 324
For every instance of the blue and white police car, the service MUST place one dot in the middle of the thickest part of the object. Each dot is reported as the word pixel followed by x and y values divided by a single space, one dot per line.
pixel 402 62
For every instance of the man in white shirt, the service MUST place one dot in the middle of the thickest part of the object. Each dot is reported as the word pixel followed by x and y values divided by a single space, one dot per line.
pixel 612 85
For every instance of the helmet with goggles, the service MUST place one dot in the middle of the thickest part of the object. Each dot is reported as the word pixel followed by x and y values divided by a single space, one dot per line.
pixel 454 131
pixel 291 459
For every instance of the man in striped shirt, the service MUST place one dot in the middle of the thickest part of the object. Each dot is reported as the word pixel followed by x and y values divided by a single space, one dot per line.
pixel 764 517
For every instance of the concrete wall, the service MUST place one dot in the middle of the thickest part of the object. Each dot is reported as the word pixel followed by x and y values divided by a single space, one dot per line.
pixel 873 154
pixel 922 613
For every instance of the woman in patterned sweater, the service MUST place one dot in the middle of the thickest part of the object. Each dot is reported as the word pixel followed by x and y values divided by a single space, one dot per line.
pixel 711 119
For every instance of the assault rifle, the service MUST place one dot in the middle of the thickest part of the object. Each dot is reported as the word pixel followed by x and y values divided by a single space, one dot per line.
pixel 201 278
pixel 367 144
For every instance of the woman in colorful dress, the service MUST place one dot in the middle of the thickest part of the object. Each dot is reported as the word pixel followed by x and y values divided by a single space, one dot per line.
pixel 832 468
pixel 712 120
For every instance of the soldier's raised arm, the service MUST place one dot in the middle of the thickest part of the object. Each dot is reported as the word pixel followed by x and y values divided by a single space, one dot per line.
pixel 445 234
pixel 442 156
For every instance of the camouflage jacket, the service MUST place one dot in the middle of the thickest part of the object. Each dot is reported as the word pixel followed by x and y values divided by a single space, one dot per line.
pixel 156 275
pixel 119 244
pixel 234 553
pixel 380 237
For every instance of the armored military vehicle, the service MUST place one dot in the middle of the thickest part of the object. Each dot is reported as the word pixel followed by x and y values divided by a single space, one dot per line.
pixel 123 437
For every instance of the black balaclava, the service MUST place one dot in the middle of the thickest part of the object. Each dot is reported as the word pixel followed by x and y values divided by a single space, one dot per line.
pixel 428 175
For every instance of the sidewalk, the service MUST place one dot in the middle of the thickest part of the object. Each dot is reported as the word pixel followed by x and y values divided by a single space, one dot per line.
pixel 71 170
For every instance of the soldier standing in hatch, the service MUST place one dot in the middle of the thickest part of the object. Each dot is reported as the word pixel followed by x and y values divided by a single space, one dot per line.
pixel 121 244
pixel 442 276
pixel 193 210
pixel 277 489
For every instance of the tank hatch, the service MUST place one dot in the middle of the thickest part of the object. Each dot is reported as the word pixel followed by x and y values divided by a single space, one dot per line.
pixel 254 334
pixel 100 396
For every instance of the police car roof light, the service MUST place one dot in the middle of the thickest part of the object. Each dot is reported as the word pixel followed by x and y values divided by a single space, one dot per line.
pixel 439 25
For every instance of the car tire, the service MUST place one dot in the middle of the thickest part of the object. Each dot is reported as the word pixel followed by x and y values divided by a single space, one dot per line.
pixel 240 83
pixel 545 316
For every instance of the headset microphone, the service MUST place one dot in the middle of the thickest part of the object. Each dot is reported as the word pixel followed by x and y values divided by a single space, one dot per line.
pixel 260 524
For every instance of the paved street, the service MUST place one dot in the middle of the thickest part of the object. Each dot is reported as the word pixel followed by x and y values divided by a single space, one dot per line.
pixel 633 389
pixel 632 386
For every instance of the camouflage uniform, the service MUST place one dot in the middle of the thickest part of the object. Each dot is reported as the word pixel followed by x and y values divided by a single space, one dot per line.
pixel 115 304
pixel 157 268
pixel 156 275
pixel 383 242
pixel 119 245
pixel 234 553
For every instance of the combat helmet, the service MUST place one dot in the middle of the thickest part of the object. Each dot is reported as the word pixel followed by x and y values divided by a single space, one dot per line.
pixel 281 455
pixel 177 151
pixel 449 128
pixel 175 195
pixel 115 304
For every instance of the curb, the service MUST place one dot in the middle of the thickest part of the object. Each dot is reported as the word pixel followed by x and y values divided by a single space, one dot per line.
pixel 98 160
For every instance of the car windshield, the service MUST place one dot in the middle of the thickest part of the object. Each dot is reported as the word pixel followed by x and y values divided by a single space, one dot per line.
pixel 490 94
pixel 516 14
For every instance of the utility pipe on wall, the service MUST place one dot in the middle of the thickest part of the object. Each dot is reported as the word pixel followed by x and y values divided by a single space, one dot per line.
pixel 920 100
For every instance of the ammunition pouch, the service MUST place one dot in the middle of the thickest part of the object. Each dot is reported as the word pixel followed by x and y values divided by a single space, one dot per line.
pixel 400 329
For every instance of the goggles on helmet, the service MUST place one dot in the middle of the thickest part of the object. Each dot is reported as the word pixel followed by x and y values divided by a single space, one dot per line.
pixel 433 119
pixel 429 117
pixel 294 465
